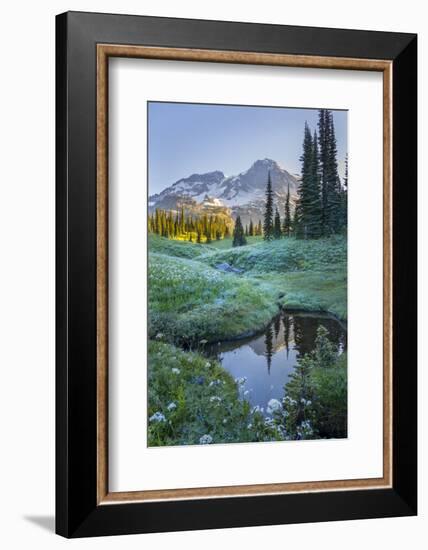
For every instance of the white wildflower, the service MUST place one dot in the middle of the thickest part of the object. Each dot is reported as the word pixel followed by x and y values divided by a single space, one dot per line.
pixel 175 370
pixel 205 440
pixel 207 365
pixel 306 425
pixel 157 417
pixel 172 406
pixel 215 399
pixel 159 336
pixel 273 406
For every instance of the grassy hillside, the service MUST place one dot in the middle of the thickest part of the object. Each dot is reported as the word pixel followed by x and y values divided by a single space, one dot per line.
pixel 190 300
pixel 225 244
pixel 180 249
pixel 285 255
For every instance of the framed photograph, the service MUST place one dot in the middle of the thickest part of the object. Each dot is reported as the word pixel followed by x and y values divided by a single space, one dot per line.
pixel 236 274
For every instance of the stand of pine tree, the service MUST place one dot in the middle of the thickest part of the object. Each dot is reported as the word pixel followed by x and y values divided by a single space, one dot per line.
pixel 182 226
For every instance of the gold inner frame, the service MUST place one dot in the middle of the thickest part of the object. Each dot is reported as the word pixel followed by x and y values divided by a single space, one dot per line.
pixel 104 51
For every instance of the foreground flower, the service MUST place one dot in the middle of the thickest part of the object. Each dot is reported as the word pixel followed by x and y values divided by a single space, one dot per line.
pixel 205 440
pixel 175 370
pixel 215 399
pixel 157 417
pixel 273 406
pixel 172 406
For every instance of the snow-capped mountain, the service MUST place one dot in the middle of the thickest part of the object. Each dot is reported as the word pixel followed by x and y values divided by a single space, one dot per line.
pixel 243 194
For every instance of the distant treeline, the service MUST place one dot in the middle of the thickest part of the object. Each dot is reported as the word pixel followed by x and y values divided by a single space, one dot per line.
pixel 183 226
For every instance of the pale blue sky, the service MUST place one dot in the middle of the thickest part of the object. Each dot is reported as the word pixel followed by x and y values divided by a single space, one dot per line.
pixel 188 138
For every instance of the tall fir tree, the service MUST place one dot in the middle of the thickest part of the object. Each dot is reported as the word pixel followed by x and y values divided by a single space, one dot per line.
pixel 238 233
pixel 315 192
pixel 331 189
pixel 268 218
pixel 277 232
pixel 344 200
pixel 309 209
pixel 323 147
pixel 251 229
pixel 286 228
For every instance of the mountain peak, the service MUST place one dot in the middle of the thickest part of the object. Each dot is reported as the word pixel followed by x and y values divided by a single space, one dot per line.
pixel 266 162
pixel 243 191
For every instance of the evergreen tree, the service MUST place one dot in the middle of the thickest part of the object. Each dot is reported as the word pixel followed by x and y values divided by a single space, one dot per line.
pixel 331 189
pixel 268 219
pixel 277 234
pixel 182 223
pixel 315 181
pixel 238 234
pixel 259 228
pixel 295 222
pixel 251 229
pixel 309 206
pixel 325 352
pixel 323 144
pixel 286 228
pixel 298 400
pixel 344 199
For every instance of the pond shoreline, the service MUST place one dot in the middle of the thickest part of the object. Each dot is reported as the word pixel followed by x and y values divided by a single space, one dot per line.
pixel 259 331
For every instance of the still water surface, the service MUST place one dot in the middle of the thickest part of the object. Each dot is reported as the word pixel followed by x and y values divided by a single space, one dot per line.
pixel 267 359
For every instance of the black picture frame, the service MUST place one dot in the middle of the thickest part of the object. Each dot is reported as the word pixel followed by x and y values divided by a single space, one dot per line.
pixel 77 511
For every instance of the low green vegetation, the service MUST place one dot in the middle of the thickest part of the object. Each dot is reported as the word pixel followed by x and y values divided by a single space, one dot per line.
pixel 193 400
pixel 179 249
pixel 227 243
pixel 285 255
pixel 315 400
pixel 191 301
